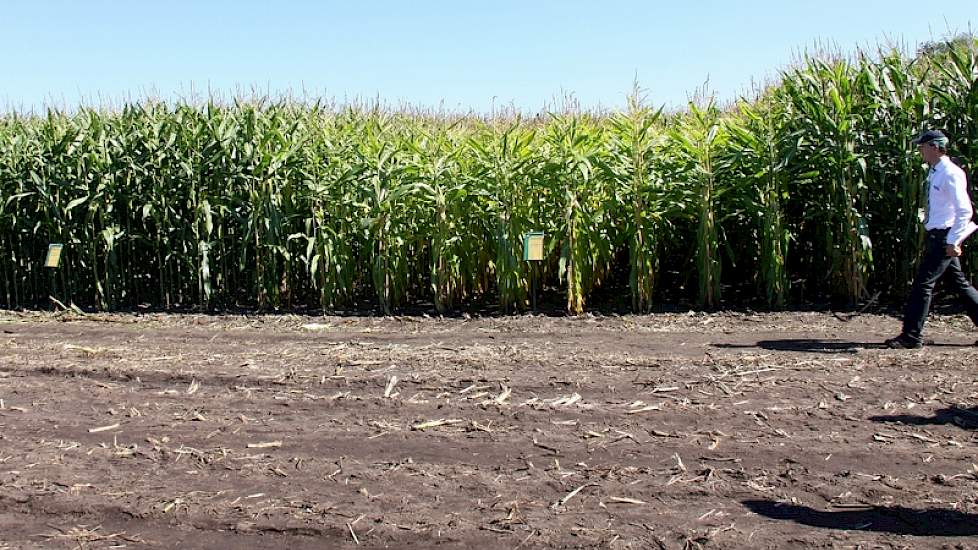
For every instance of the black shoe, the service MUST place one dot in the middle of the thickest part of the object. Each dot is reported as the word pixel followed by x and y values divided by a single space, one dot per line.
pixel 903 342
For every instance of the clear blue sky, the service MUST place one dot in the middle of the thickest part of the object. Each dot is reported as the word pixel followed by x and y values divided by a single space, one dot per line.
pixel 460 54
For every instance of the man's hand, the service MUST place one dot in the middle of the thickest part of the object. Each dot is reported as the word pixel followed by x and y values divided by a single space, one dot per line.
pixel 953 250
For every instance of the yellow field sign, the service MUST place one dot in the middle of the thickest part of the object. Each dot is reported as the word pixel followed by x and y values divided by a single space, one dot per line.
pixel 533 246
pixel 54 255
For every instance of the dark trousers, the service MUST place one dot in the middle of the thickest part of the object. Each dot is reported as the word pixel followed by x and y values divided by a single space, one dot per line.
pixel 935 263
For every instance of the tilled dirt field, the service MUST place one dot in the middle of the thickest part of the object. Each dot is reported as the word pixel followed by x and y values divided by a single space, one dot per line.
pixel 663 431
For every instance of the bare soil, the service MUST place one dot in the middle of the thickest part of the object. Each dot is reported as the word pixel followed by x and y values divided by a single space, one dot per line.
pixel 665 431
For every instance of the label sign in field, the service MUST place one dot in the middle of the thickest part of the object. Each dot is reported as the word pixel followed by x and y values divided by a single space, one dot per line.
pixel 533 246
pixel 54 255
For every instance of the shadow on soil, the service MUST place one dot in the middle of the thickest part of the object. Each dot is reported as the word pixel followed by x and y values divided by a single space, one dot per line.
pixel 809 345
pixel 816 345
pixel 895 520
pixel 966 418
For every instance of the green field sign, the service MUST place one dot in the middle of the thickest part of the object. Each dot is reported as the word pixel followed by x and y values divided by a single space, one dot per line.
pixel 533 246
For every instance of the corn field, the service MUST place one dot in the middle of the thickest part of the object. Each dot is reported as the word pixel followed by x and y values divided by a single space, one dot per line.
pixel 808 191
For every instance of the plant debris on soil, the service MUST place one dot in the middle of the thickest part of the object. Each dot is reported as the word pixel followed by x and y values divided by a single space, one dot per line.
pixel 724 430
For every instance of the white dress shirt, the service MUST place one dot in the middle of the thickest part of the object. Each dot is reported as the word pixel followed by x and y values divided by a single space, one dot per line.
pixel 949 206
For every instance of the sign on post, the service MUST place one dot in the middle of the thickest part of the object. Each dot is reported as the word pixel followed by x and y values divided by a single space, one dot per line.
pixel 533 246
pixel 54 255
pixel 533 252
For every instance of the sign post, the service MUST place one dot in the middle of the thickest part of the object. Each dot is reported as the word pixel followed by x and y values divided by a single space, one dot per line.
pixel 533 252
pixel 53 258
pixel 52 261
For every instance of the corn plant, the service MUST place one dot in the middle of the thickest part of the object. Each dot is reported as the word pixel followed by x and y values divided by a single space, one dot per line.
pixel 699 138
pixel 584 212
pixel 828 116
pixel 450 204
pixel 504 157
pixel 954 102
pixel 898 106
pixel 762 153
pixel 385 199
pixel 634 143
pixel 332 224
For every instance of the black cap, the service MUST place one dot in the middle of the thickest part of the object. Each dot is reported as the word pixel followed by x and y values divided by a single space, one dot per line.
pixel 936 137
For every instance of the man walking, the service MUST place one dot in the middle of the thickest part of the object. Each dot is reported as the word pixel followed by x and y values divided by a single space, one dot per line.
pixel 947 219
